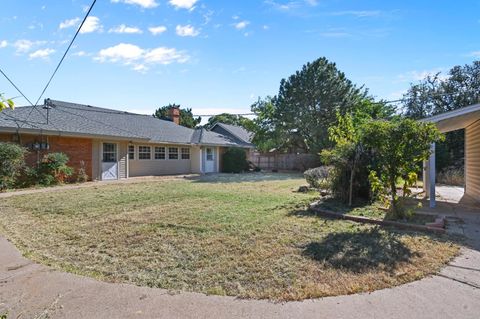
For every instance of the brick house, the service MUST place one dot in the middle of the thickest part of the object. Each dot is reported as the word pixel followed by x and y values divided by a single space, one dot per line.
pixel 112 144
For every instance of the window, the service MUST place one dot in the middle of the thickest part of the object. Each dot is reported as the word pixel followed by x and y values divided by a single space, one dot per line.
pixel 109 152
pixel 209 154
pixel 159 153
pixel 172 153
pixel 185 153
pixel 144 152
pixel 131 152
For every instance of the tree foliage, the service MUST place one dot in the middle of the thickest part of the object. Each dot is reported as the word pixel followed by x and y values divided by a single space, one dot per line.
pixel 186 116
pixel 306 105
pixel 235 160
pixel 12 159
pixel 349 157
pixel 6 103
pixel 232 119
pixel 436 94
pixel 397 147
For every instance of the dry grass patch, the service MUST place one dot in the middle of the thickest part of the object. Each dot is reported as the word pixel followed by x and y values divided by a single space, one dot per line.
pixel 246 236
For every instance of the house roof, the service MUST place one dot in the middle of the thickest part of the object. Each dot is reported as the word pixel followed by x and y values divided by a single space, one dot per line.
pixel 206 137
pixel 456 119
pixel 239 132
pixel 72 119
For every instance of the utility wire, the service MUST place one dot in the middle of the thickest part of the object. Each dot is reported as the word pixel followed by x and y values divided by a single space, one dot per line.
pixel 61 60
pixel 16 87
pixel 66 51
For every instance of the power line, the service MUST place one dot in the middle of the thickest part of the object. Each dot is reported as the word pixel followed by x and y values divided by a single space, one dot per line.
pixel 16 87
pixel 66 51
pixel 24 96
pixel 63 58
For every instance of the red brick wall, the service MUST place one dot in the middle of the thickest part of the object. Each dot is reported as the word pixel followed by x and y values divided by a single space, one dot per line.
pixel 77 149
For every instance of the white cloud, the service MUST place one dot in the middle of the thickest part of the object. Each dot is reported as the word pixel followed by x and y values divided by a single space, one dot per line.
pixel 183 4
pixel 290 5
pixel 475 54
pixel 416 75
pixel 42 54
pixel 140 68
pixel 164 55
pixel 23 46
pixel 124 52
pixel 139 58
pixel 92 24
pixel 186 31
pixel 80 53
pixel 241 25
pixel 69 23
pixel 125 29
pixel 3 44
pixel 147 4
pixel 357 13
pixel 157 30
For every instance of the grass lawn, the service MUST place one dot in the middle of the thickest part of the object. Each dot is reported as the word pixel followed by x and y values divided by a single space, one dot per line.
pixel 246 235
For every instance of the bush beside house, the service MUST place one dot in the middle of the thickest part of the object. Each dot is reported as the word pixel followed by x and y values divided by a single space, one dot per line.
pixel 51 170
pixel 12 159
pixel 235 160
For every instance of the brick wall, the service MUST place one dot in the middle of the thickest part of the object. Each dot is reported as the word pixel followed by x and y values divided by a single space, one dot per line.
pixel 77 149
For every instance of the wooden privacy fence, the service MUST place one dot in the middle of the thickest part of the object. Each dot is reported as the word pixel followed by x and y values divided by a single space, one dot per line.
pixel 289 162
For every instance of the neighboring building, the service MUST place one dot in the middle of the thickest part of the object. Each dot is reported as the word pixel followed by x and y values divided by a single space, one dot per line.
pixel 113 144
pixel 467 118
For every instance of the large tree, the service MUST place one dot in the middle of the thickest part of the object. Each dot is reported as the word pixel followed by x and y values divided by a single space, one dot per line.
pixel 232 119
pixel 186 116
pixel 438 94
pixel 308 103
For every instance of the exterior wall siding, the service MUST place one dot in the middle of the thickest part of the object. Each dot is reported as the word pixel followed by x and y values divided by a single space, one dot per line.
pixel 123 160
pixel 472 160
pixel 79 150
pixel 158 167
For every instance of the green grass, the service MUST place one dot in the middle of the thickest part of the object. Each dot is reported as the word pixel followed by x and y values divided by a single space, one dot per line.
pixel 241 235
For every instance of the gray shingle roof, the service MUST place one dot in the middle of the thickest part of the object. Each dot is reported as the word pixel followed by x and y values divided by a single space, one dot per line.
pixel 79 119
pixel 206 137
pixel 242 135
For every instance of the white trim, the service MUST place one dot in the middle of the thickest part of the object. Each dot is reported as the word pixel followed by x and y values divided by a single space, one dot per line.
pixel 117 148
pixel 451 114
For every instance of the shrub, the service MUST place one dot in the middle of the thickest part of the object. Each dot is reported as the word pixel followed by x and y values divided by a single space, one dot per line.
pixel 53 169
pixel 12 159
pixel 318 177
pixel 82 176
pixel 235 160
pixel 452 176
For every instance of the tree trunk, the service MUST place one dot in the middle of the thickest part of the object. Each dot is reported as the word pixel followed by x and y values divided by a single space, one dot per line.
pixel 352 177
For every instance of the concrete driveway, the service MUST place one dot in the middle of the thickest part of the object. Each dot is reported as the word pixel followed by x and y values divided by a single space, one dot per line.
pixel 29 290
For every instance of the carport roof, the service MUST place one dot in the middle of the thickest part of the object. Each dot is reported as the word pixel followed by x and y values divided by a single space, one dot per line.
pixel 456 119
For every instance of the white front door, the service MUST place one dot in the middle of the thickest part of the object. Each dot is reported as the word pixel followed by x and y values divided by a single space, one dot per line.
pixel 209 160
pixel 109 161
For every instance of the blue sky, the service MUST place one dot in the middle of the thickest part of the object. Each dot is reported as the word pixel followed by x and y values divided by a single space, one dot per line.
pixel 220 56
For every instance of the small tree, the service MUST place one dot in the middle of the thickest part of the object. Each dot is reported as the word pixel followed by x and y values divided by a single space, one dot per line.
pixel 398 146
pixel 12 159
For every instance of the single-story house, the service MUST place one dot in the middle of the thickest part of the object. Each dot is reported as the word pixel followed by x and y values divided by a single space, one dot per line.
pixel 467 118
pixel 112 144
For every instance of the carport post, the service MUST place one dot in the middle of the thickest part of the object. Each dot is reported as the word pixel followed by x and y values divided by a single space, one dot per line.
pixel 431 175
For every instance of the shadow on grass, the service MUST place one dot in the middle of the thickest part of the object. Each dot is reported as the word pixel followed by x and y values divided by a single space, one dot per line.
pixel 244 177
pixel 360 251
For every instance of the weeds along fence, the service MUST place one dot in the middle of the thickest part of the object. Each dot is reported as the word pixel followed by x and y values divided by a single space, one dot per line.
pixel 287 162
